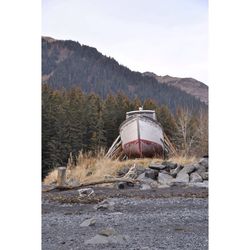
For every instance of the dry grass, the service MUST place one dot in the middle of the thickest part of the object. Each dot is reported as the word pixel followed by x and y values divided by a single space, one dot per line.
pixel 183 160
pixel 90 168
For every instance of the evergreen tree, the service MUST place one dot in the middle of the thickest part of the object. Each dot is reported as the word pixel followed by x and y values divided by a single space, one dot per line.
pixel 166 119
pixel 149 104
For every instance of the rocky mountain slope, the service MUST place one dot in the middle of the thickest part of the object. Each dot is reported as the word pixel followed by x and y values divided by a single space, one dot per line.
pixel 66 64
pixel 189 85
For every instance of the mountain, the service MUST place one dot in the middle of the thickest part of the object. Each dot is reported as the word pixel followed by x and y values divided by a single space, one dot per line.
pixel 189 85
pixel 67 64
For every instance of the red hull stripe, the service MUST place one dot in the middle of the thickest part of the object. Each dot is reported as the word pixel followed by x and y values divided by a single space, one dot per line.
pixel 147 149
pixel 144 141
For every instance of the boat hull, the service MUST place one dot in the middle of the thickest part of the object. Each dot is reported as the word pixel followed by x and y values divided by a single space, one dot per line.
pixel 141 137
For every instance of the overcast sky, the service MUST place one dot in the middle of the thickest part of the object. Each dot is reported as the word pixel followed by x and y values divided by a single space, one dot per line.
pixel 167 37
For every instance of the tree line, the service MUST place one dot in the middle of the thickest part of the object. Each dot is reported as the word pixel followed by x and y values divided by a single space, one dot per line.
pixel 73 120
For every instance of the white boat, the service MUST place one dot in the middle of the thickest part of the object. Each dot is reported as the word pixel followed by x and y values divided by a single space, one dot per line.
pixel 141 134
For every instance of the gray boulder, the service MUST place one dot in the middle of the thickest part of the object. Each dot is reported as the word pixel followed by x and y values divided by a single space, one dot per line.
pixel 202 171
pixel 157 167
pixel 123 185
pixel 151 173
pixel 145 186
pixel 169 165
pixel 188 169
pixel 143 178
pixel 204 162
pixel 204 175
pixel 165 179
pixel 140 169
pixel 195 177
pixel 146 183
pixel 98 239
pixel 183 174
pixel 88 222
pixel 206 183
pixel 203 184
pixel 182 177
pixel 101 239
pixel 174 172
pixel 105 236
pixel 108 232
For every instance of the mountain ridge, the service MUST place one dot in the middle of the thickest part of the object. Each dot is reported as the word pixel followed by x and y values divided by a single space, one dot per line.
pixel 67 63
pixel 188 84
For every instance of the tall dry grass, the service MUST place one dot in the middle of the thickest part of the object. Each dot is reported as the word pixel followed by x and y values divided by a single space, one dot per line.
pixel 183 159
pixel 94 167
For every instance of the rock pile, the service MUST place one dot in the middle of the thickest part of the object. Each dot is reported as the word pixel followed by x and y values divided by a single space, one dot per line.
pixel 168 174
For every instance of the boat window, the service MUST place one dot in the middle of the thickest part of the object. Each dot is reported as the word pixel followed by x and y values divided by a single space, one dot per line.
pixel 148 114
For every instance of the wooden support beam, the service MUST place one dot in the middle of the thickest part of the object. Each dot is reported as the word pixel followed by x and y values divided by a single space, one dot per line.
pixel 169 145
pixel 111 148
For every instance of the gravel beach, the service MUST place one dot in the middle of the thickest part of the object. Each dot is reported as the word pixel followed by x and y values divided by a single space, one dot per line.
pixel 167 218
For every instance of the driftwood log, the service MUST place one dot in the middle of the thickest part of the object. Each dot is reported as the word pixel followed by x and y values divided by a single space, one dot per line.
pixel 62 188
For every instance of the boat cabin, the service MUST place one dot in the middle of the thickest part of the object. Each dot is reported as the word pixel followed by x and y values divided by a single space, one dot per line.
pixel 141 112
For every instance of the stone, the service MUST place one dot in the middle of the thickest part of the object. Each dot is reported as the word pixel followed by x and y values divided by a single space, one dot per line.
pixel 188 169
pixel 151 173
pixel 157 167
pixel 203 184
pixel 204 175
pixel 145 186
pixel 98 239
pixel 88 222
pixel 141 177
pixel 146 183
pixel 101 239
pixel 204 162
pixel 174 172
pixel 107 232
pixel 169 165
pixel 107 235
pixel 105 205
pixel 182 177
pixel 195 177
pixel 122 185
pixel 140 169
pixel 200 169
pixel 165 179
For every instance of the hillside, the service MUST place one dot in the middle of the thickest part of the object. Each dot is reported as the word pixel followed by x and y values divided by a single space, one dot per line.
pixel 189 85
pixel 66 64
